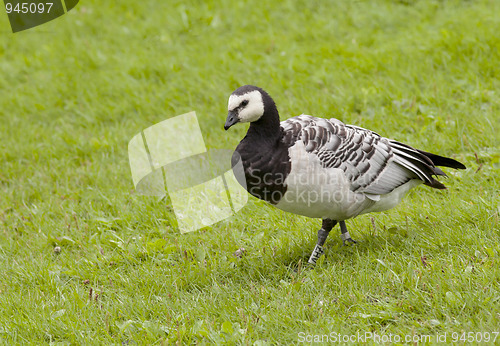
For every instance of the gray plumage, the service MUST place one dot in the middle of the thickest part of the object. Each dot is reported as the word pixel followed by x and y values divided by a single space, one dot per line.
pixel 373 164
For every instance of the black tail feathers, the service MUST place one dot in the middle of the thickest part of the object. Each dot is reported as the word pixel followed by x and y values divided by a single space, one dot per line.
pixel 443 161
pixel 440 161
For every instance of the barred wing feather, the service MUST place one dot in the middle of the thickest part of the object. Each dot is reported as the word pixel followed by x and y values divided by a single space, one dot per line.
pixel 374 165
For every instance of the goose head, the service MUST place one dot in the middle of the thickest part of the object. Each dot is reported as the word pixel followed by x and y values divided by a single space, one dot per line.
pixel 249 104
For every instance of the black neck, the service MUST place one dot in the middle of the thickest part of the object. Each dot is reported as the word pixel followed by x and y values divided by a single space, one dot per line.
pixel 268 126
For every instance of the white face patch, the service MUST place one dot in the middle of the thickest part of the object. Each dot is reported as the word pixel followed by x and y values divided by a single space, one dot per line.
pixel 250 112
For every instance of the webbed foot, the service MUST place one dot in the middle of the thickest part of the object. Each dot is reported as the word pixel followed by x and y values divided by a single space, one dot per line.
pixel 345 236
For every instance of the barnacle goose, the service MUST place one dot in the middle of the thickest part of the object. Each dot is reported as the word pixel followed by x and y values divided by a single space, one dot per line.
pixel 324 168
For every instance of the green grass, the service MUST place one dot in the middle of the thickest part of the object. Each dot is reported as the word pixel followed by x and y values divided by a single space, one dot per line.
pixel 74 92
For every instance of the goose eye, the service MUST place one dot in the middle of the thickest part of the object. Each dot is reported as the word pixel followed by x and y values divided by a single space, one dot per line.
pixel 244 103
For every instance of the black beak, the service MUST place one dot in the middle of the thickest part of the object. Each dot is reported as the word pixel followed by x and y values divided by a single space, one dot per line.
pixel 232 118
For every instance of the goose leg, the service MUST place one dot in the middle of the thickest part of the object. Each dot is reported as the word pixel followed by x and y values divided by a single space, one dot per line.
pixel 345 234
pixel 326 227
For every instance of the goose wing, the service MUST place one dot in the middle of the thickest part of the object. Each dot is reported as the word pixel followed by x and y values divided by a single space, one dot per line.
pixel 373 164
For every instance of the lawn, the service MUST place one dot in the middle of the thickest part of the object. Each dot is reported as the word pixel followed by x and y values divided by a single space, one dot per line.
pixel 74 92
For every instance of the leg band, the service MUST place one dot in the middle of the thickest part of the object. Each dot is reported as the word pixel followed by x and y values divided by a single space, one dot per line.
pixel 317 252
pixel 345 236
